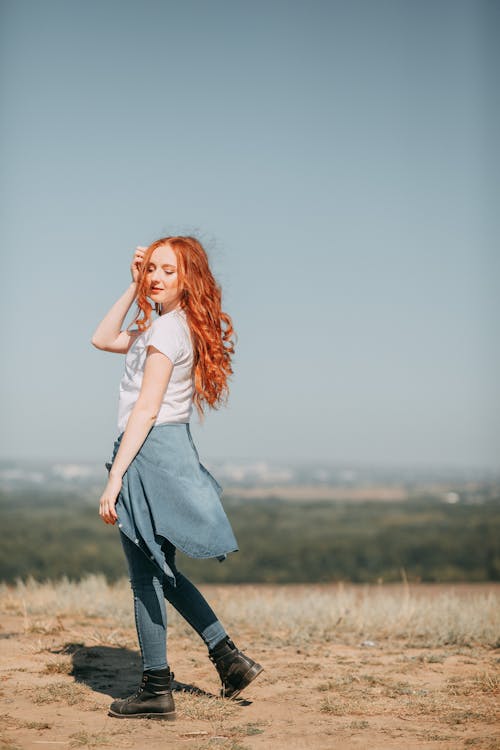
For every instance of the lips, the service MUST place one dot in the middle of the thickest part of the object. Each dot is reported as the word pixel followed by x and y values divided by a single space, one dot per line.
pixel 156 289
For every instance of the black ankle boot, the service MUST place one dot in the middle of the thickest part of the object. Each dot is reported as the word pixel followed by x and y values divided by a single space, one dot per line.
pixel 235 669
pixel 152 700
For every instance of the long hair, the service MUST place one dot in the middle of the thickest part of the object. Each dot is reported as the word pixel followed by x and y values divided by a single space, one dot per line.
pixel 211 328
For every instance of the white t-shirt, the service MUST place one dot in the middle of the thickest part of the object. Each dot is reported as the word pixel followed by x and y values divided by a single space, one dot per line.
pixel 170 334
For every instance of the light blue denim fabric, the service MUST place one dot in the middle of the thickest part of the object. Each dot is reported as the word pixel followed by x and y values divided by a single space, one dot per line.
pixel 150 591
pixel 168 494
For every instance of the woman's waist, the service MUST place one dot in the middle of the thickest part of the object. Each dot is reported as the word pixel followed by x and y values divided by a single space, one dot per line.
pixel 180 425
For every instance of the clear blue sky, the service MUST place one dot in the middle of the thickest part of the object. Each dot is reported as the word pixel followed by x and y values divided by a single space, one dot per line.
pixel 338 160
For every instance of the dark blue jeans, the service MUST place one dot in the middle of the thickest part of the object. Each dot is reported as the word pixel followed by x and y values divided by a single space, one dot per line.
pixel 150 590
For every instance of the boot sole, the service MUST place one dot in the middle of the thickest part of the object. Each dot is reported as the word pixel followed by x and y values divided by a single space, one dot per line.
pixel 248 677
pixel 159 717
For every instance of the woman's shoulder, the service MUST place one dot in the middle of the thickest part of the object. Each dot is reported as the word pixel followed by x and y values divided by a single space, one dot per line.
pixel 172 325
pixel 173 320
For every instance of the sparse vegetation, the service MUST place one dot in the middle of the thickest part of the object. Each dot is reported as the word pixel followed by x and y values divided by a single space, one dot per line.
pixel 362 665
pixel 288 615
pixel 69 693
pixel 90 739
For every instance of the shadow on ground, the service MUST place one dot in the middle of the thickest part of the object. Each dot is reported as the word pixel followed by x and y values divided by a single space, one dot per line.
pixel 117 672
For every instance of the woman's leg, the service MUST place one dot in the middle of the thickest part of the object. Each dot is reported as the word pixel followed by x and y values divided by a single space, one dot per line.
pixel 236 669
pixel 149 606
pixel 191 603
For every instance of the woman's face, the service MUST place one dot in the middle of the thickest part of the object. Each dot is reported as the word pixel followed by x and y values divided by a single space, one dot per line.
pixel 162 279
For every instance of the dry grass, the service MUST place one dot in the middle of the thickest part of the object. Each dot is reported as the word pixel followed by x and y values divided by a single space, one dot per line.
pixel 58 667
pixel 13 722
pixel 352 613
pixel 90 739
pixel 344 666
pixel 67 693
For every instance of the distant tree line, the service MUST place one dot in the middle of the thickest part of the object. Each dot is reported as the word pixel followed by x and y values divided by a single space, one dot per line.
pixel 48 536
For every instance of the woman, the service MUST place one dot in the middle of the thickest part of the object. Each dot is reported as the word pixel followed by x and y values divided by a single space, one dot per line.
pixel 161 495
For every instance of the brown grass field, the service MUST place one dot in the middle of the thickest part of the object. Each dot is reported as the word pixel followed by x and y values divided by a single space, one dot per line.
pixel 380 666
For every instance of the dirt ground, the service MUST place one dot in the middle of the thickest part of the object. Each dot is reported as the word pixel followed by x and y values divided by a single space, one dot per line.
pixel 59 674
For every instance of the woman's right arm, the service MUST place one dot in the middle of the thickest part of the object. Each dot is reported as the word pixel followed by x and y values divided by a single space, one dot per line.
pixel 108 335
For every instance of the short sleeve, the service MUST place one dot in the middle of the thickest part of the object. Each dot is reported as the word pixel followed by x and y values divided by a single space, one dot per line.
pixel 167 337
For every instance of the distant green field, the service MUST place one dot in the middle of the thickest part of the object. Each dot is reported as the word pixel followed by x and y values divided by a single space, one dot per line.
pixel 51 536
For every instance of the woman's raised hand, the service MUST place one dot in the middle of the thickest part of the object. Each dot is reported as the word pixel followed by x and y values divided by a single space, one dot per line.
pixel 135 267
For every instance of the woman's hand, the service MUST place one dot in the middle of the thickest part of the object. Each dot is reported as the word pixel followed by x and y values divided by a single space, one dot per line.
pixel 136 265
pixel 108 500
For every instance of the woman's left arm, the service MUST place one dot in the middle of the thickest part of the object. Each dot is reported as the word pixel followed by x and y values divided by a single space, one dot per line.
pixel 157 371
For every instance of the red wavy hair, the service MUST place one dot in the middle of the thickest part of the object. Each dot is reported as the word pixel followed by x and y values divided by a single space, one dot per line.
pixel 200 297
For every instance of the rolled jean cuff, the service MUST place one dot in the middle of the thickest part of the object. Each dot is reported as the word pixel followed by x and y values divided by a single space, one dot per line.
pixel 213 634
pixel 155 667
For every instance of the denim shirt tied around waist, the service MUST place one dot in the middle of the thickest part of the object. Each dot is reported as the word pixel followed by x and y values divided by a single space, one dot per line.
pixel 167 493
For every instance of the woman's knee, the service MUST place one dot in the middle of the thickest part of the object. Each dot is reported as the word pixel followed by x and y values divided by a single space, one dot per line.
pixel 140 578
pixel 142 573
pixel 146 583
pixel 169 551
